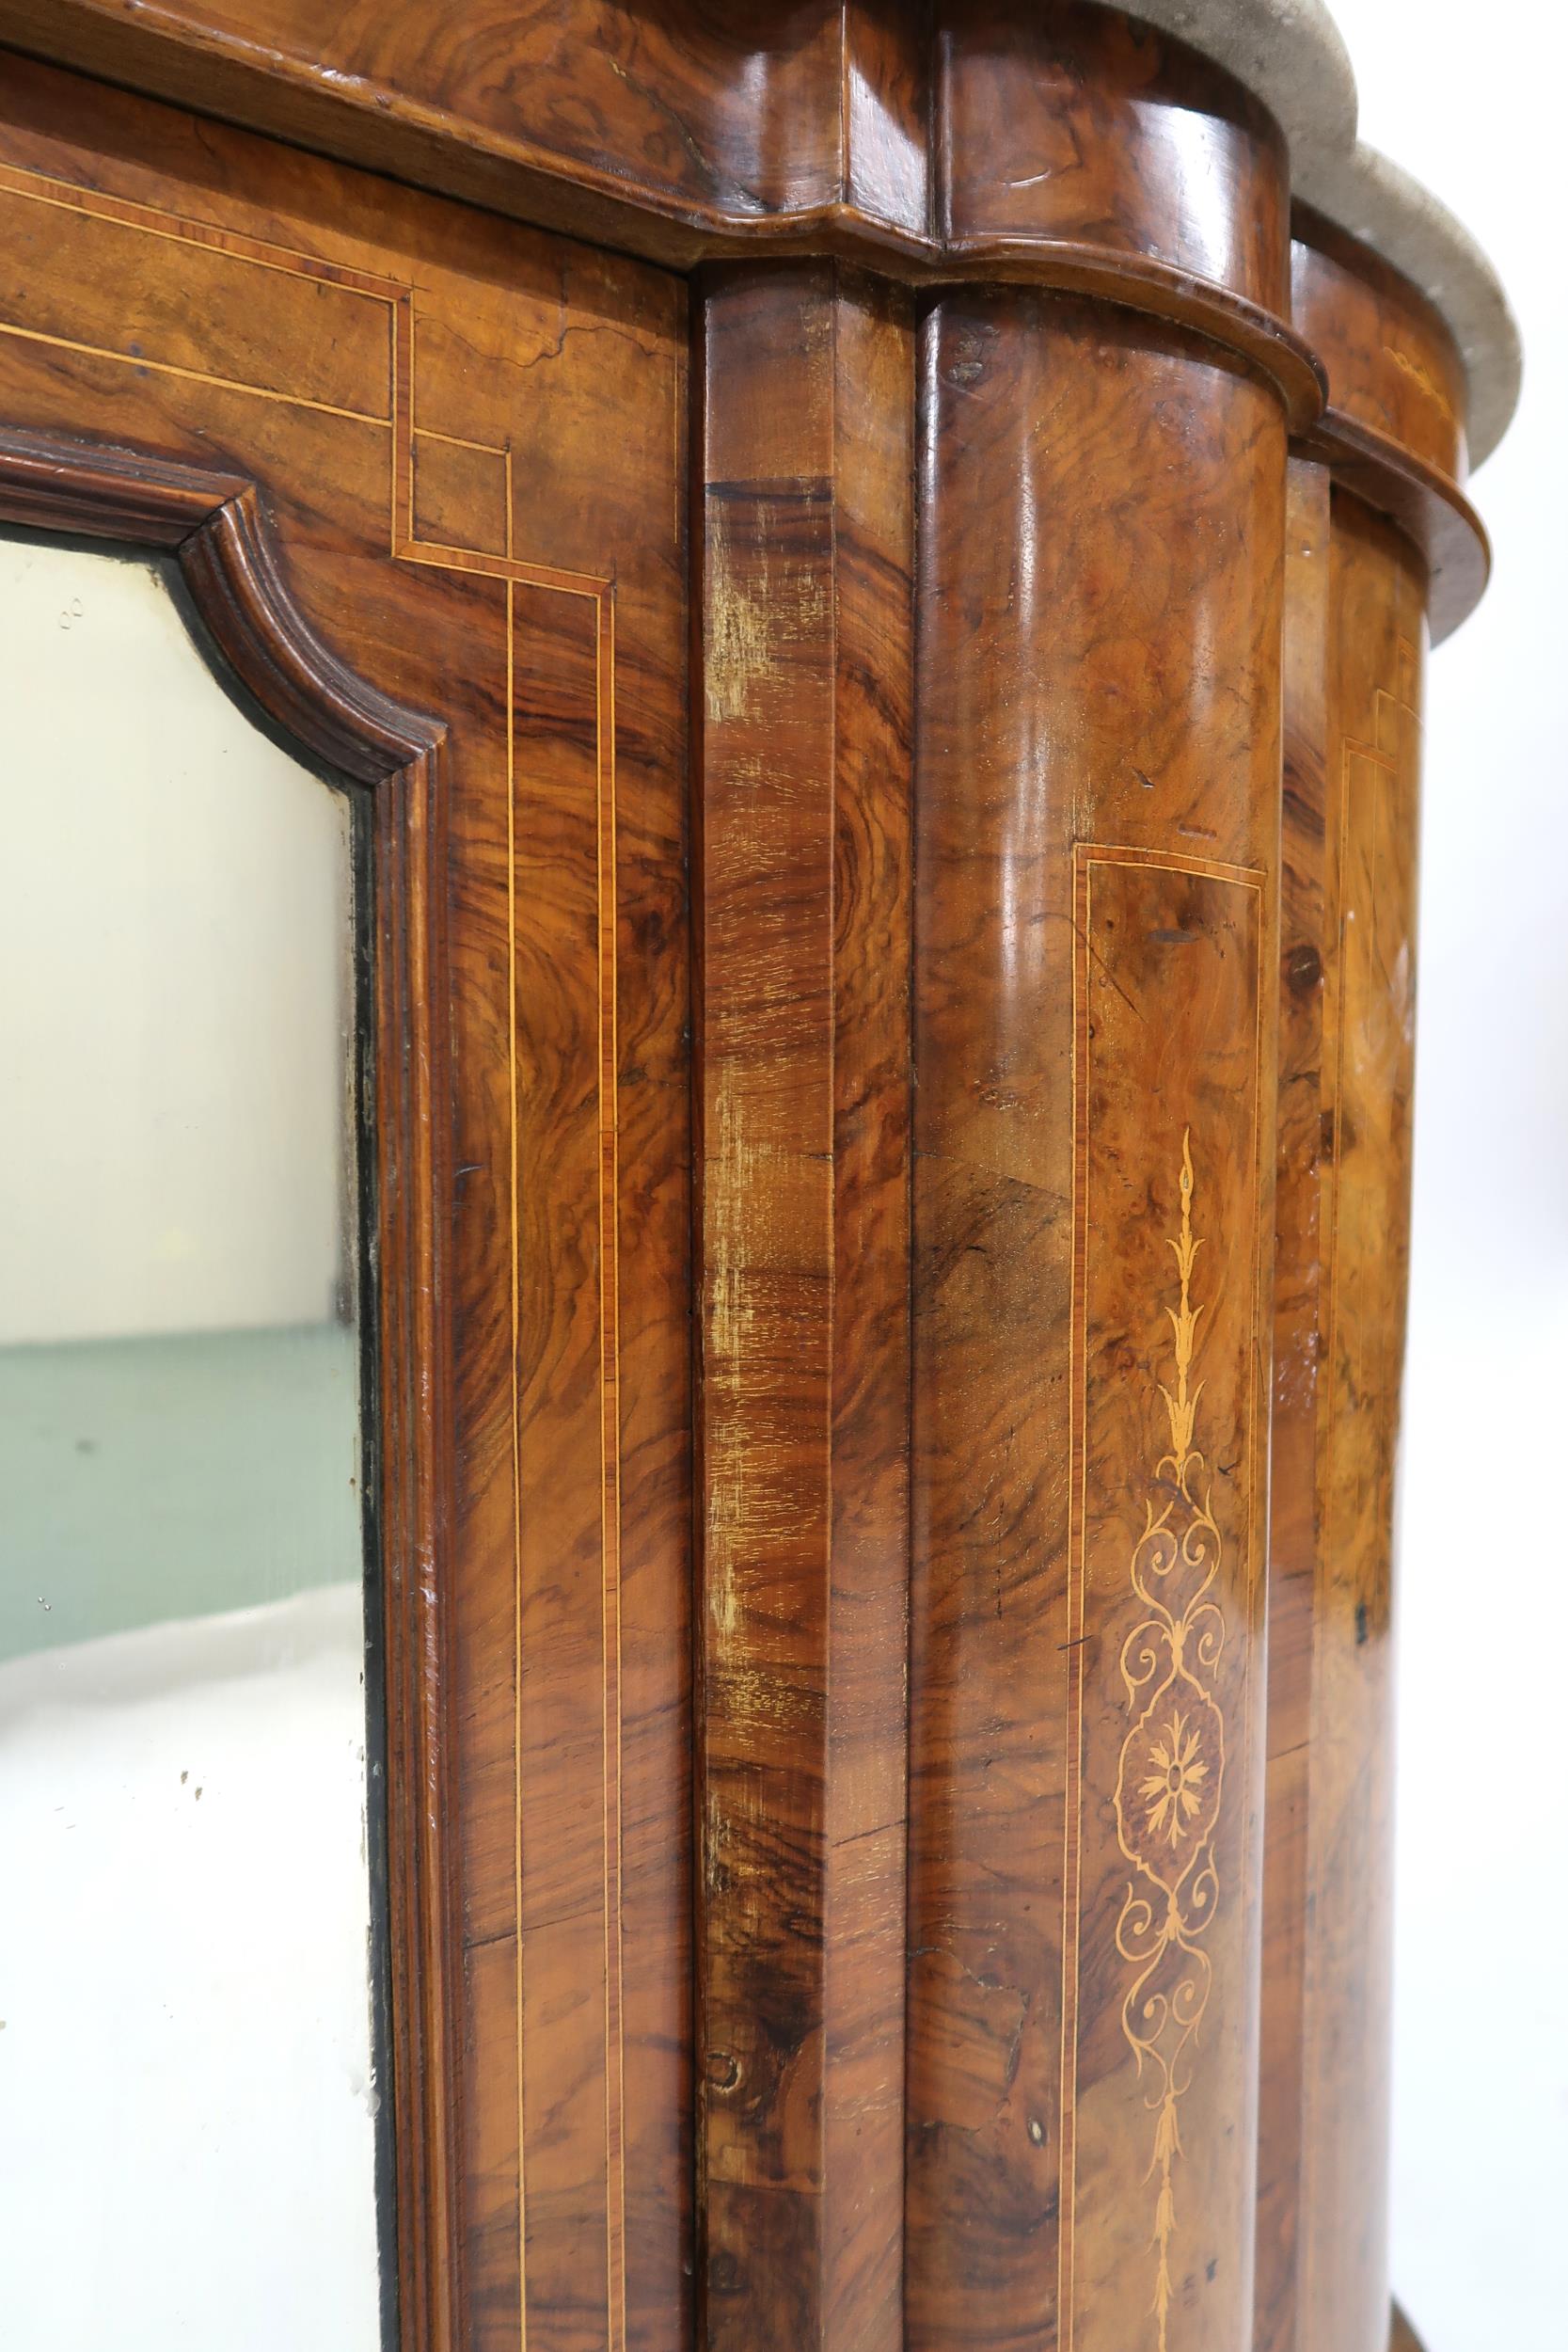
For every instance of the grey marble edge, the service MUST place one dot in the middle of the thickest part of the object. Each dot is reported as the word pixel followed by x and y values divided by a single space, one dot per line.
pixel 1290 55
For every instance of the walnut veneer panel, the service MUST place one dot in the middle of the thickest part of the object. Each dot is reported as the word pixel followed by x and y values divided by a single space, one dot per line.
pixel 1378 591
pixel 465 442
pixel 1294 1512
pixel 1345 1222
pixel 1076 124
pixel 1380 535
pixel 1095 899
pixel 805 453
pixel 1393 430
pixel 991 139
pixel 1395 365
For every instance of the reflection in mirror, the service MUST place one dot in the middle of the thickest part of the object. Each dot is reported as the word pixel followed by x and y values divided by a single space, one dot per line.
pixel 188 2137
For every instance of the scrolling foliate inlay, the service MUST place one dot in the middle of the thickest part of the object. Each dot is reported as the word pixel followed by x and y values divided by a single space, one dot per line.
pixel 1159 1941
pixel 1172 1770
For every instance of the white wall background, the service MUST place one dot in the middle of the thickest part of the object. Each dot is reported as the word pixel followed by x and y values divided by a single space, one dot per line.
pixel 1472 101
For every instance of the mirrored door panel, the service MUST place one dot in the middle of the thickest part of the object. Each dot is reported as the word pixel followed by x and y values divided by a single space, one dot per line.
pixel 421 473
pixel 188 2078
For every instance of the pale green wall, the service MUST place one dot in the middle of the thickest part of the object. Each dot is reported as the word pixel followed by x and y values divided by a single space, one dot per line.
pixel 173 1476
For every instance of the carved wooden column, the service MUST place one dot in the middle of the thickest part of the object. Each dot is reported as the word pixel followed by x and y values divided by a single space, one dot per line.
pixel 1103 510
pixel 805 374
pixel 1381 536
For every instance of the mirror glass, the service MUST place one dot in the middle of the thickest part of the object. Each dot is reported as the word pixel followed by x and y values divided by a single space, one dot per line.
pixel 189 2142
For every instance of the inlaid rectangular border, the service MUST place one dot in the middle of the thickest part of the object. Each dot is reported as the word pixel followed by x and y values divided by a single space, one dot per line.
pixel 397 417
pixel 1086 855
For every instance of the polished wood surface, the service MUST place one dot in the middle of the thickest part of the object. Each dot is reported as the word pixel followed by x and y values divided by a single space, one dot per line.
pixel 1394 367
pixel 908 140
pixel 1076 126
pixel 356 367
pixel 1394 428
pixel 805 428
pixel 1378 593
pixel 1094 1050
pixel 698 122
pixel 889 684
pixel 1343 1270
pixel 1362 578
pixel 746 122
pixel 1294 1517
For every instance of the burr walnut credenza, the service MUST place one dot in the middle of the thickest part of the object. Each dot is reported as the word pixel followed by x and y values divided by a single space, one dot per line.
pixel 713 721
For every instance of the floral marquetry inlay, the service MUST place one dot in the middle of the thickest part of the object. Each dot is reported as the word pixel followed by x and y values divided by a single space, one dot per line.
pixel 1172 1765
